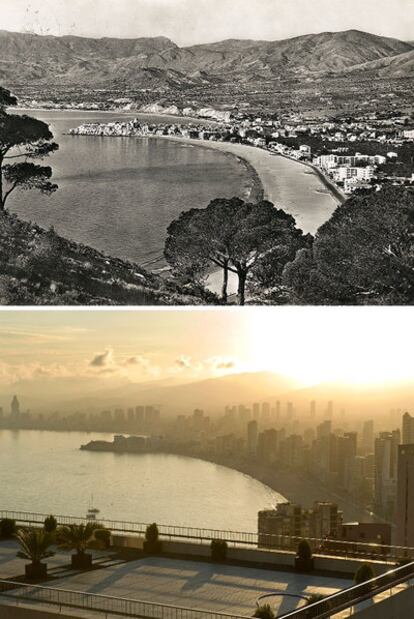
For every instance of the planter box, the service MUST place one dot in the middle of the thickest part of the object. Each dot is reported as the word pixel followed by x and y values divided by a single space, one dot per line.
pixel 152 548
pixel 35 571
pixel 81 562
pixel 303 565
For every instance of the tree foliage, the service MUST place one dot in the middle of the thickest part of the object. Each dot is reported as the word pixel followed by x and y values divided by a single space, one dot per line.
pixel 236 236
pixel 6 99
pixel 23 140
pixel 363 254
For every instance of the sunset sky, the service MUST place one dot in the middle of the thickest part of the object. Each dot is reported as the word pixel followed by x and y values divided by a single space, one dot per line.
pixel 321 344
pixel 193 21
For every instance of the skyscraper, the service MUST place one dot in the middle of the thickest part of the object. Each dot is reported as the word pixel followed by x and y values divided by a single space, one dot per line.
pixel 407 437
pixel 386 460
pixel 368 436
pixel 252 429
pixel 15 408
pixel 405 497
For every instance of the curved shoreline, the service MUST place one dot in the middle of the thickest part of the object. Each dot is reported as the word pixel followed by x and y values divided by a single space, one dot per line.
pixel 266 164
pixel 293 487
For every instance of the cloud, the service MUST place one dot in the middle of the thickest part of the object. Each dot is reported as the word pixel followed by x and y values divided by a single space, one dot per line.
pixel 103 360
pixel 225 365
pixel 221 363
pixel 136 360
pixel 183 362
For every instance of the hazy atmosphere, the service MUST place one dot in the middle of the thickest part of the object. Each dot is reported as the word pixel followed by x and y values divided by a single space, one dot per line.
pixel 62 357
pixel 189 22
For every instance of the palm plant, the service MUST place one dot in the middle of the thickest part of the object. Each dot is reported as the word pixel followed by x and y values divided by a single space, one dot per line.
pixel 78 537
pixel 34 546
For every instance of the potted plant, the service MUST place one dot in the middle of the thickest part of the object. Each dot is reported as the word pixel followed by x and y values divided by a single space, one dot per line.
pixel 104 537
pixel 218 550
pixel 364 573
pixel 264 612
pixel 78 537
pixel 303 559
pixel 34 546
pixel 152 544
pixel 7 527
pixel 50 524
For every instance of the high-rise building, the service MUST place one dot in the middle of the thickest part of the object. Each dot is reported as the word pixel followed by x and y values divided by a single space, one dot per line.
pixel 407 435
pixel 368 436
pixel 405 497
pixel 330 409
pixel 252 431
pixel 15 408
pixel 386 459
pixel 265 410
pixel 313 409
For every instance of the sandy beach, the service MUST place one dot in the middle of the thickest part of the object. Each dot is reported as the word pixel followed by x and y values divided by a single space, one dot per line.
pixel 291 185
pixel 298 188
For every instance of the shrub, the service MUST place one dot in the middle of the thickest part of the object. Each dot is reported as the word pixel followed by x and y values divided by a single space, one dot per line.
pixel 264 612
pixel 304 551
pixel 315 597
pixel 152 544
pixel 364 572
pixel 7 527
pixel 103 536
pixel 152 534
pixel 50 524
pixel 218 550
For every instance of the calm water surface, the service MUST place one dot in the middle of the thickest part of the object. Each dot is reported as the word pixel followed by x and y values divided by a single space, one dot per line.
pixel 46 472
pixel 120 194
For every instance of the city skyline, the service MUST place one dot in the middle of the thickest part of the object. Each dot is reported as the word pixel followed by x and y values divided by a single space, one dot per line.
pixel 188 23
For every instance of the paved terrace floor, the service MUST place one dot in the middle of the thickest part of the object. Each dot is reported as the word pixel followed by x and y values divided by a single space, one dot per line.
pixel 219 588
pixel 190 584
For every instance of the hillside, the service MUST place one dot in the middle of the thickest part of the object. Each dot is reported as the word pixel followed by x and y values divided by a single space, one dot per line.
pixel 38 267
pixel 147 62
pixel 401 66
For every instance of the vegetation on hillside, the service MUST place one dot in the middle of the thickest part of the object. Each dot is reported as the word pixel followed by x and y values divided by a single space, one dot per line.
pixel 363 255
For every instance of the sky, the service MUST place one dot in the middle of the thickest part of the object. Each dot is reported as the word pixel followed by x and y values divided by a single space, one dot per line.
pixel 189 22
pixel 310 345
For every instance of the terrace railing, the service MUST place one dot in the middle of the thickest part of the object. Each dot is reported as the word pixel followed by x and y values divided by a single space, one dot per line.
pixel 265 541
pixel 351 597
pixel 34 595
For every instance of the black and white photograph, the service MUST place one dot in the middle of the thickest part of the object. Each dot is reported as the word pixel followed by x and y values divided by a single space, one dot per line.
pixel 206 152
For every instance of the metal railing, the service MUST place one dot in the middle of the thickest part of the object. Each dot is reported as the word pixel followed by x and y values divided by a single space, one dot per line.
pixel 348 598
pixel 264 541
pixel 16 592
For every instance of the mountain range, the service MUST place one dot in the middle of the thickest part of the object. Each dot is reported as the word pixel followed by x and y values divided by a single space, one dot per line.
pixel 212 395
pixel 144 62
